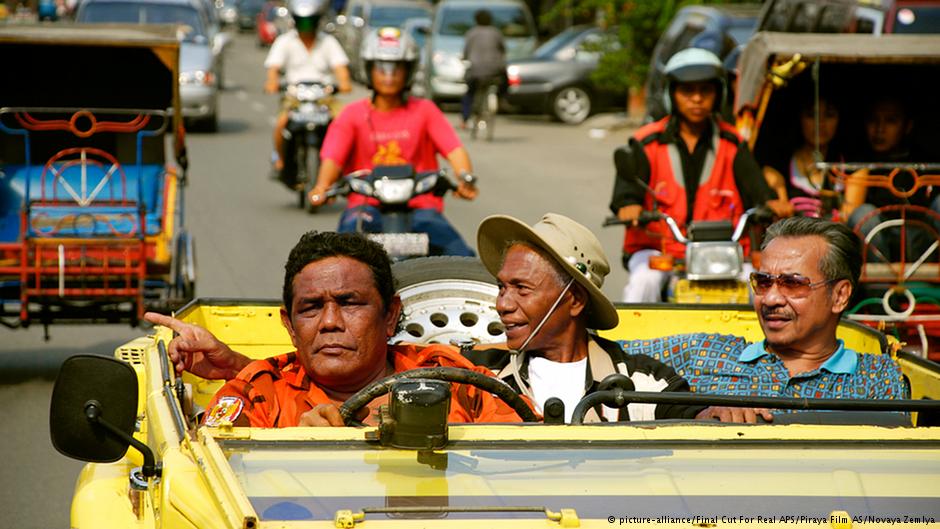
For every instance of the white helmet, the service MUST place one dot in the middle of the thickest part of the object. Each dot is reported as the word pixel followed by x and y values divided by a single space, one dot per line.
pixel 307 13
pixel 692 65
pixel 392 45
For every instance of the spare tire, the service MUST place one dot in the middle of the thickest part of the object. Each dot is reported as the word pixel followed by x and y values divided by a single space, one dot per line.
pixel 448 300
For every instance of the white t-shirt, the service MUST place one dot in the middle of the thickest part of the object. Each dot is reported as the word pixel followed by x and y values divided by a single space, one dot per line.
pixel 300 64
pixel 564 380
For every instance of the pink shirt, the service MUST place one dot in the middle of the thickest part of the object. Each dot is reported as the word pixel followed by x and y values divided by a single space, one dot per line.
pixel 362 138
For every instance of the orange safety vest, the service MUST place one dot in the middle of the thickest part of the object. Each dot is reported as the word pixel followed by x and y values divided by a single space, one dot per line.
pixel 717 197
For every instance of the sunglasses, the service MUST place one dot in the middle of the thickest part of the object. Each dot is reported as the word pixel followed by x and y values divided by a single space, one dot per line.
pixel 789 285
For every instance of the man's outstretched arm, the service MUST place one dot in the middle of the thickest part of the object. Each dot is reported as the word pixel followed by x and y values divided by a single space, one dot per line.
pixel 198 351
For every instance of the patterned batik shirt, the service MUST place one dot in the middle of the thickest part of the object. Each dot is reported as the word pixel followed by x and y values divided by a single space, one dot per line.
pixel 729 365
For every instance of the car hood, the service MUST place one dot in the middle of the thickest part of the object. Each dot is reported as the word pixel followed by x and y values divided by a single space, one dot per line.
pixel 195 57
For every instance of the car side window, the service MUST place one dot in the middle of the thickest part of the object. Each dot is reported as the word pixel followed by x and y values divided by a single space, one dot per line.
pixel 590 48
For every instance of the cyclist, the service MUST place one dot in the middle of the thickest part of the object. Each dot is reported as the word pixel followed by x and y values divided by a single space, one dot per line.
pixel 305 55
pixel 393 128
pixel 485 50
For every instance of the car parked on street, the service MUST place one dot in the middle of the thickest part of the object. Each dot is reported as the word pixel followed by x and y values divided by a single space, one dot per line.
pixel 556 79
pixel 444 76
pixel 731 25
pixel 362 16
pixel 198 64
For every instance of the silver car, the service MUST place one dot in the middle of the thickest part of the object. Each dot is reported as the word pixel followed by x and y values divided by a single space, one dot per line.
pixel 444 77
pixel 198 77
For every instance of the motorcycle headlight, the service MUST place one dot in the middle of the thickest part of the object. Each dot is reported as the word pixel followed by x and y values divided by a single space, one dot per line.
pixel 713 260
pixel 203 77
pixel 394 191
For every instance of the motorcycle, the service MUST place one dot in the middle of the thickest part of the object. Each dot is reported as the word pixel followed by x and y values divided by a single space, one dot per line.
pixel 714 261
pixel 307 122
pixel 394 186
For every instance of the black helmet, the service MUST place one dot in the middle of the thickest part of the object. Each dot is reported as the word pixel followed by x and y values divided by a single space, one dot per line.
pixel 392 45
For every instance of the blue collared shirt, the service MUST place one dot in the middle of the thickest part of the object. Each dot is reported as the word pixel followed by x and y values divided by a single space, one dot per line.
pixel 729 365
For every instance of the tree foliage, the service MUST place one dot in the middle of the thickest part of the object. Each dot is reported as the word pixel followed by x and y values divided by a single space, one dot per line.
pixel 639 24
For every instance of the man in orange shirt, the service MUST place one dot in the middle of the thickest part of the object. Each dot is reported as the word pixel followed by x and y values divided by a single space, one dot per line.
pixel 339 310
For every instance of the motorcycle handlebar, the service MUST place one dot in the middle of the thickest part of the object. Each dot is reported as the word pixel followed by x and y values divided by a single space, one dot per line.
pixel 343 188
pixel 761 214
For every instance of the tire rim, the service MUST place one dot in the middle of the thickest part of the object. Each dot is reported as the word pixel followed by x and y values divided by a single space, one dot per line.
pixel 572 105
pixel 451 312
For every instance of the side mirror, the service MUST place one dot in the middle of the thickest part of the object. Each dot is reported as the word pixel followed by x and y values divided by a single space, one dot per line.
pixel 90 393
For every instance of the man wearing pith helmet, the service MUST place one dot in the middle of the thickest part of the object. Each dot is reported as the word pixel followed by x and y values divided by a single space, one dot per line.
pixel 550 301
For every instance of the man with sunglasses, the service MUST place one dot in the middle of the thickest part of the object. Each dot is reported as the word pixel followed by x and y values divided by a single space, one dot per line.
pixel 808 271
pixel 393 128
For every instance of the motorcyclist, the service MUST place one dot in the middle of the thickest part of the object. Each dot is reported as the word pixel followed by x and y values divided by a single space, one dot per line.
pixel 305 55
pixel 691 165
pixel 393 128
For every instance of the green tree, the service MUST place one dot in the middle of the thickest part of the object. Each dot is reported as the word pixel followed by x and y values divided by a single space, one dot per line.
pixel 639 24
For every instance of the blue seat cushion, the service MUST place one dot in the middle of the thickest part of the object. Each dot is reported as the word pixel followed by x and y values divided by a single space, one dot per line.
pixel 77 204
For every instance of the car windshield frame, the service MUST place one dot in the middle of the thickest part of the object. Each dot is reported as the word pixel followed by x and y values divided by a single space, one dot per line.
pixel 122 12
pixel 395 15
pixel 457 20
pixel 552 46
pixel 316 472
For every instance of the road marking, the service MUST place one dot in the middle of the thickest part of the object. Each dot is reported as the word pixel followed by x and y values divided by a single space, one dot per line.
pixel 242 95
pixel 271 121
pixel 259 107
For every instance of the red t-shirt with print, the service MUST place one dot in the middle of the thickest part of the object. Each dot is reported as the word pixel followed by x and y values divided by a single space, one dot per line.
pixel 362 137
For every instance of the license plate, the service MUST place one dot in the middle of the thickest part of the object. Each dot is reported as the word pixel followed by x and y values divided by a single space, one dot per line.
pixel 402 244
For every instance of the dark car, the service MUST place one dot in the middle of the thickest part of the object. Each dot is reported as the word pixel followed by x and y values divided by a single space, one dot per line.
pixel 248 11
pixel 851 16
pixel 556 79
pixel 728 27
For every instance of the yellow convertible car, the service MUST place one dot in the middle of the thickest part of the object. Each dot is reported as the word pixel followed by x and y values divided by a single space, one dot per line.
pixel 834 469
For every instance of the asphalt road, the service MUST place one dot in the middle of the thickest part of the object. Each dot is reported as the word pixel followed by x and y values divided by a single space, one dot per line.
pixel 244 226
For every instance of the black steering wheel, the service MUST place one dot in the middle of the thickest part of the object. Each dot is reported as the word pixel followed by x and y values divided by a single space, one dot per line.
pixel 448 374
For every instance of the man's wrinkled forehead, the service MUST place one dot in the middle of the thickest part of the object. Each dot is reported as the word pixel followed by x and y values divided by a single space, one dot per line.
pixel 529 260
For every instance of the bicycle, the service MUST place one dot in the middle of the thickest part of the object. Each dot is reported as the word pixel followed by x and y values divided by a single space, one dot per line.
pixel 485 107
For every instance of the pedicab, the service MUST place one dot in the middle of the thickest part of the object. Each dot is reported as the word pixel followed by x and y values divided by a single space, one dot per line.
pixel 92 167
pixel 866 471
pixel 900 292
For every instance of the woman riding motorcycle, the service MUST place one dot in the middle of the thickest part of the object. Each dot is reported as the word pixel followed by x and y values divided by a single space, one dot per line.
pixel 393 128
